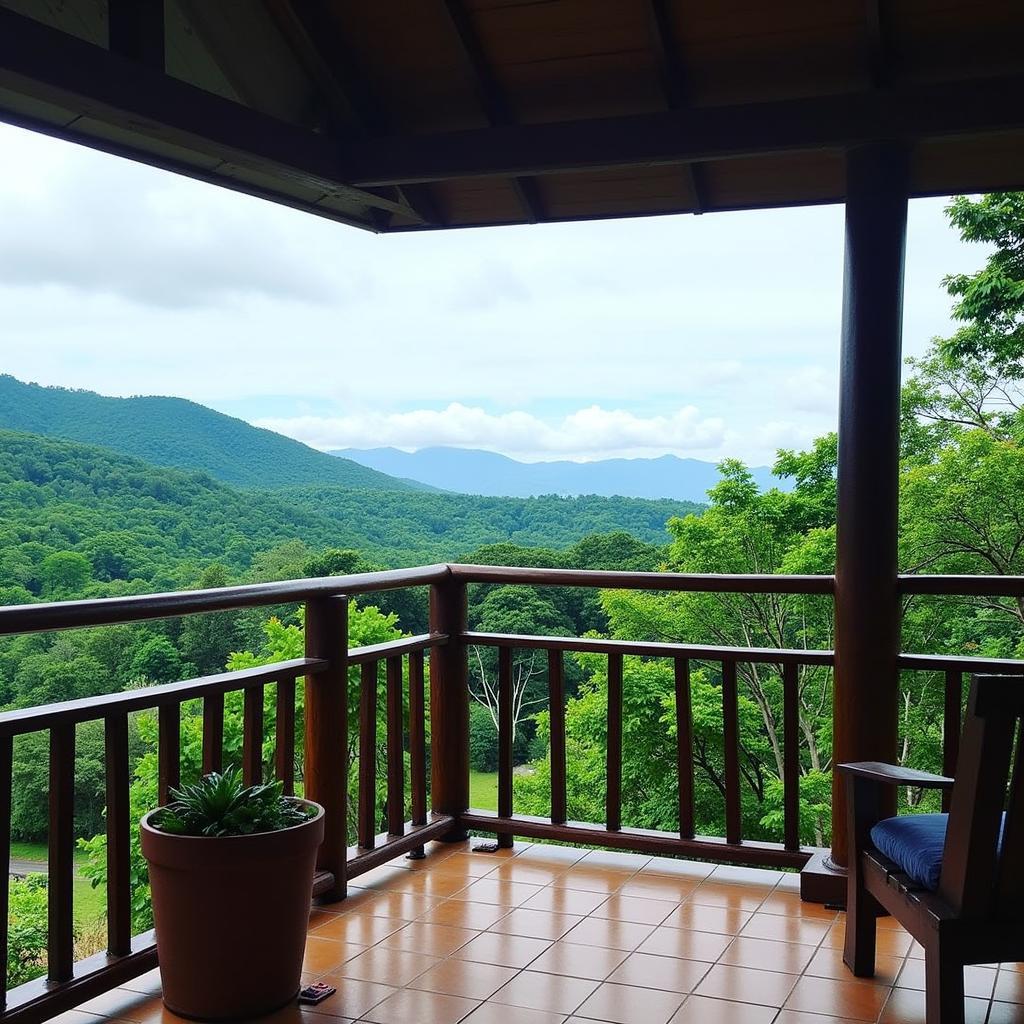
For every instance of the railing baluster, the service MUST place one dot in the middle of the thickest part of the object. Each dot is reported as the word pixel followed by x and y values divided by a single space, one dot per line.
pixel 252 736
pixel 61 862
pixel 119 877
pixel 6 772
pixel 367 809
pixel 684 747
pixel 951 725
pixel 396 760
pixel 731 737
pixel 613 811
pixel 791 755
pixel 505 839
pixel 284 735
pixel 417 745
pixel 213 733
pixel 556 723
pixel 169 751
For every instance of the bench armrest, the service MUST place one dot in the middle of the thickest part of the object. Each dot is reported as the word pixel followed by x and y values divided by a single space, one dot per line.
pixel 894 775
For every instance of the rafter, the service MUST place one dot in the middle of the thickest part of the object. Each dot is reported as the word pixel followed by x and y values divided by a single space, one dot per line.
pixel 675 87
pixel 493 101
pixel 694 134
pixel 879 71
pixel 353 110
pixel 136 30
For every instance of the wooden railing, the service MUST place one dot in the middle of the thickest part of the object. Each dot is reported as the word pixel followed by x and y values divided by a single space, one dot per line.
pixel 325 670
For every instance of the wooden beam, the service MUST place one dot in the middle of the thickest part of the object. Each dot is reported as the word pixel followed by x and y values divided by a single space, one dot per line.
pixel 136 30
pixel 879 72
pixel 493 100
pixel 699 133
pixel 145 104
pixel 353 110
pixel 676 88
pixel 867 607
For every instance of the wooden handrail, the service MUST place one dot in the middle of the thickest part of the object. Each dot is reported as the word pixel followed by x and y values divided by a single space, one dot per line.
pixel 89 709
pixel 696 652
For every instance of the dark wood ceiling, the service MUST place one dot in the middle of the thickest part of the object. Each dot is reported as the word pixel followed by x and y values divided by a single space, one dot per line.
pixel 411 114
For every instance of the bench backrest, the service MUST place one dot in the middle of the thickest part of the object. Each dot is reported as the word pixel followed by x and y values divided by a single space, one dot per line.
pixel 979 880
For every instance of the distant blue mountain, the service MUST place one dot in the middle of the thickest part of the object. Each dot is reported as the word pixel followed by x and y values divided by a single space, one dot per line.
pixel 472 471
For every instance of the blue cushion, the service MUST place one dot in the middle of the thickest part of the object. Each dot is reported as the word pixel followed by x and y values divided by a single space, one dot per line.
pixel 915 842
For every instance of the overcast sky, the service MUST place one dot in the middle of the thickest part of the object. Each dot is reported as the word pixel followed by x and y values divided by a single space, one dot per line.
pixel 703 336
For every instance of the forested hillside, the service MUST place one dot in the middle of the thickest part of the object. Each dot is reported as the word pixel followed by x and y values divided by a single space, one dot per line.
pixel 132 527
pixel 175 432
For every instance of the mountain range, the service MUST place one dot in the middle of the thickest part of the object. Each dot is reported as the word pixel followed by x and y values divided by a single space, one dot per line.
pixel 473 471
pixel 180 434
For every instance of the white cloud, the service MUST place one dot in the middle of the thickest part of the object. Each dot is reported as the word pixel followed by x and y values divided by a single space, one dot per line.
pixel 592 432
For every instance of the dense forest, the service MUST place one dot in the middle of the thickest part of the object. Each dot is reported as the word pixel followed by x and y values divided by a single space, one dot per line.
pixel 83 521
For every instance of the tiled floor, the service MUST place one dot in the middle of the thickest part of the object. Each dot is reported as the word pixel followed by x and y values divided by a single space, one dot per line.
pixel 547 935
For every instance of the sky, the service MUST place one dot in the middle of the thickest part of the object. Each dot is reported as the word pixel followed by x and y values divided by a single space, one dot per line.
pixel 706 337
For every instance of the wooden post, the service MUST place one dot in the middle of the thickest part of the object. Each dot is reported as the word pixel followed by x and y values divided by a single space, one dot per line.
pixel 866 692
pixel 325 774
pixel 449 705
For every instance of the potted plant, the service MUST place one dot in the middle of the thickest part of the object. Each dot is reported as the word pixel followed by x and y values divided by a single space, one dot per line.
pixel 231 871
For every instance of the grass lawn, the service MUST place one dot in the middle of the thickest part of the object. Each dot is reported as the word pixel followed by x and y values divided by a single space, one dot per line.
pixel 483 790
pixel 89 903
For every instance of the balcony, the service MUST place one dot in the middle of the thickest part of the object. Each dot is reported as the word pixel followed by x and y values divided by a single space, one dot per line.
pixel 723 922
pixel 544 934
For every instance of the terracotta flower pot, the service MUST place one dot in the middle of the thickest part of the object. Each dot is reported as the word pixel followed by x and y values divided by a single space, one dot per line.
pixel 231 916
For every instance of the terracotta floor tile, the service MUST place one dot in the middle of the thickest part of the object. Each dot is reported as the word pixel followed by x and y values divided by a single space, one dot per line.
pixel 686 944
pixel 506 950
pixel 323 955
pixel 148 983
pixel 766 988
pixel 542 853
pixel 405 905
pixel 597 931
pixel 358 899
pixel 626 1004
pixel 434 939
pixel 785 929
pixel 631 862
pixel 496 1013
pixel 661 972
pixel 478 864
pixel 520 870
pixel 565 901
pixel 553 993
pixel 857 999
pixel 828 963
pixel 660 887
pixel 464 978
pixel 465 914
pixel 498 892
pixel 387 966
pixel 78 1017
pixel 122 1004
pixel 412 1005
pixel 735 897
pixel 1009 986
pixel 352 999
pixel 906 1006
pixel 362 929
pixel 758 877
pixel 387 876
pixel 799 1017
pixel 887 941
pixel 539 924
pixel 789 904
pixel 678 868
pixel 788 957
pixel 593 962
pixel 725 920
pixel 1006 1013
pixel 430 883
pixel 635 909
pixel 978 981
pixel 593 879
pixel 701 1010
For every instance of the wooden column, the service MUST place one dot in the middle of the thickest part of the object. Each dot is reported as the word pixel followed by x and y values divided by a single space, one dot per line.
pixel 449 705
pixel 866 700
pixel 325 773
